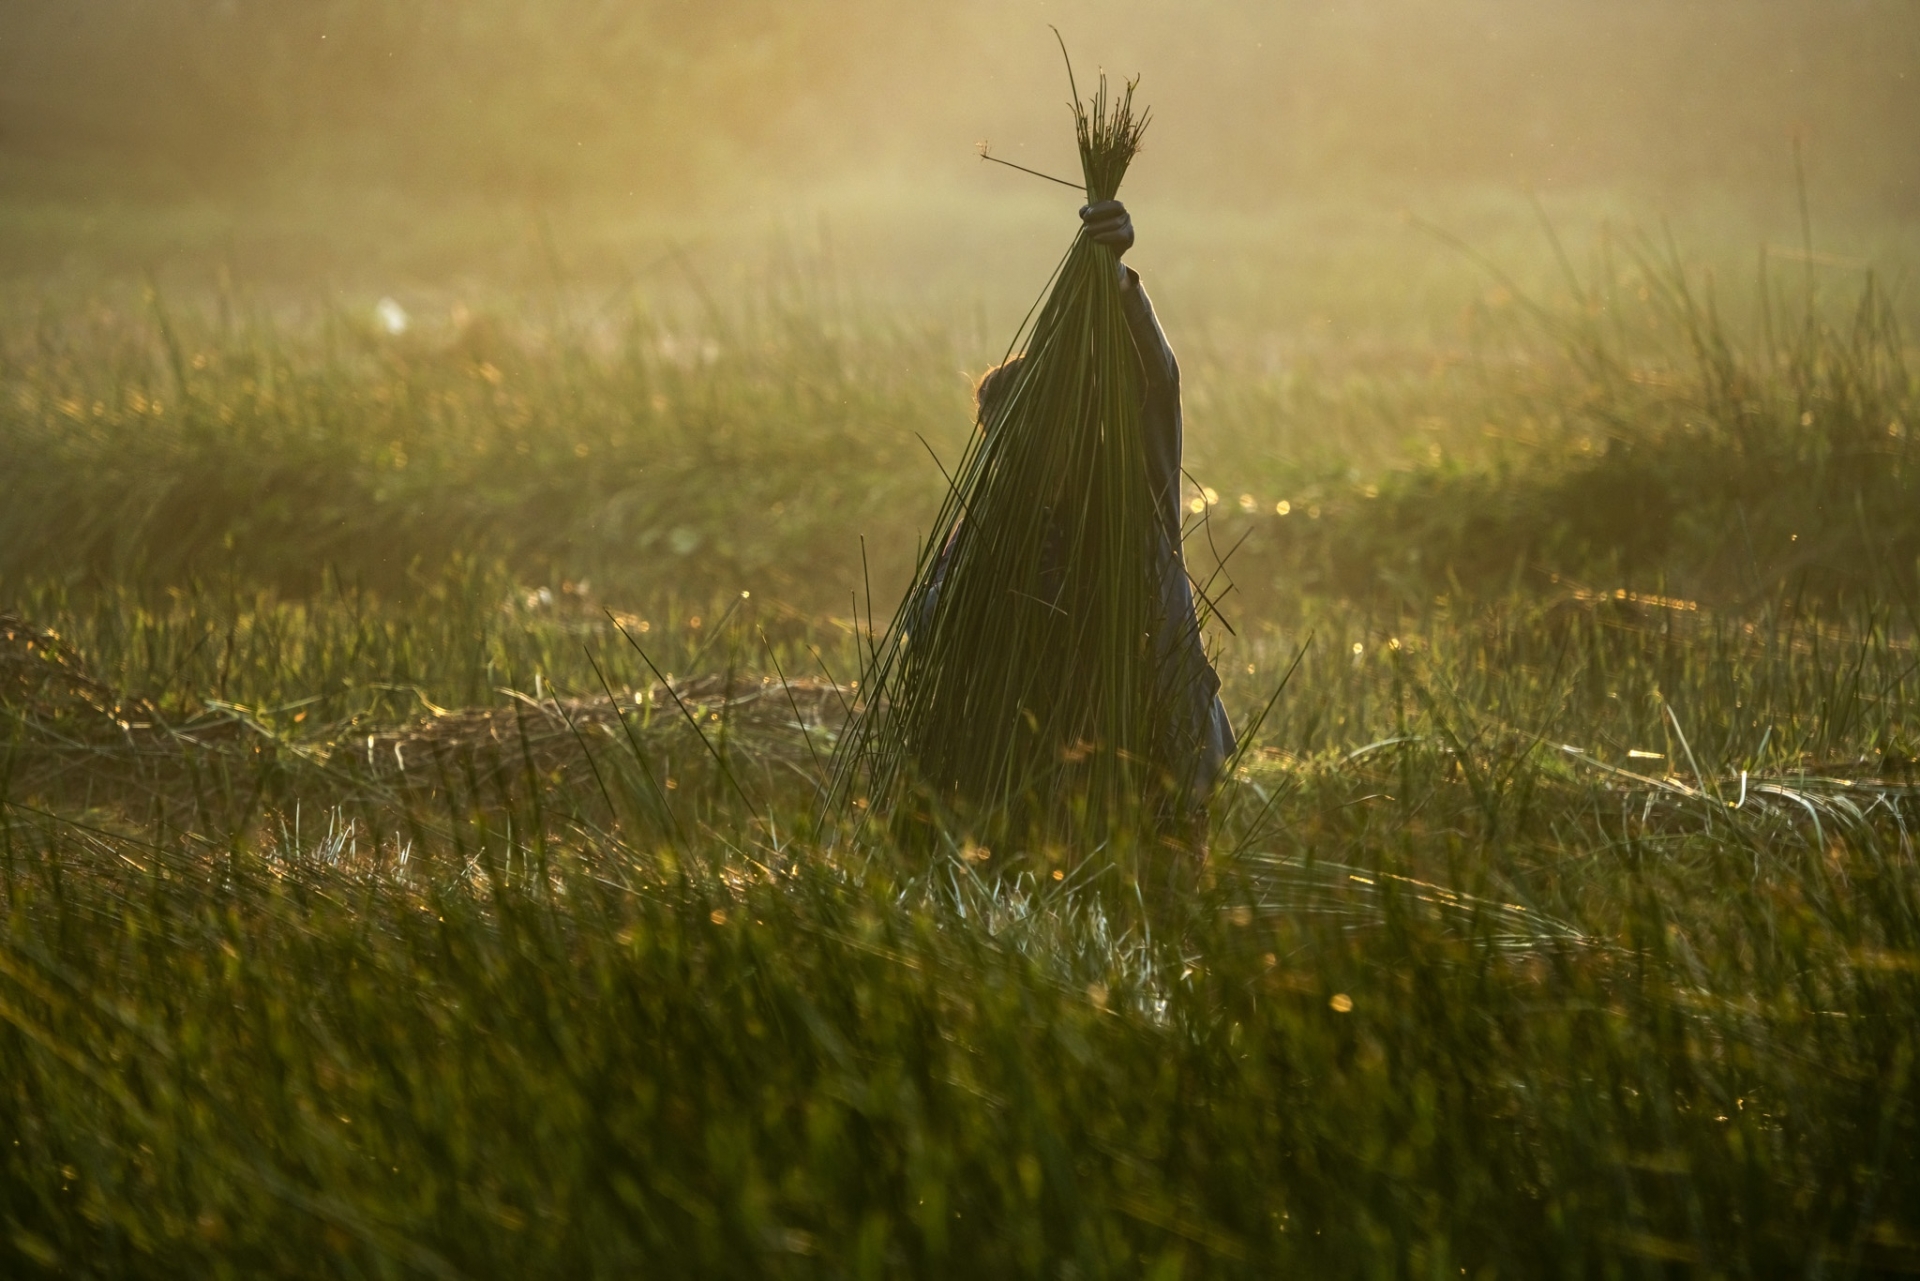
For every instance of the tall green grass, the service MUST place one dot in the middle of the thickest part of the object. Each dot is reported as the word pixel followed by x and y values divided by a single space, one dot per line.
pixel 1449 995
pixel 1651 429
pixel 1708 441
pixel 640 451
pixel 1571 929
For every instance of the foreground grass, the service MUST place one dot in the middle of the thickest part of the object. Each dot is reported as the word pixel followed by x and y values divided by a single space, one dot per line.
pixel 1448 995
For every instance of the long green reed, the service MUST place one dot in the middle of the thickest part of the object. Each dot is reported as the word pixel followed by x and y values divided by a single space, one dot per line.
pixel 1016 684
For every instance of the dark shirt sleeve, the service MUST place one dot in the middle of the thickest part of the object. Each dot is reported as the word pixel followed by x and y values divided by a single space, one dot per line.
pixel 1160 415
pixel 1190 679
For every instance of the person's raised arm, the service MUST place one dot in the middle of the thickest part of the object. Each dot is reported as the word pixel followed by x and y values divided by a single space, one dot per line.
pixel 1108 223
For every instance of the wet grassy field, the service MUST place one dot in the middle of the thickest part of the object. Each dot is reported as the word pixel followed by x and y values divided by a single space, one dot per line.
pixel 414 862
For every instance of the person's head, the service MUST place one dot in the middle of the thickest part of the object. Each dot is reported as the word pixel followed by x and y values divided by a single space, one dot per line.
pixel 995 386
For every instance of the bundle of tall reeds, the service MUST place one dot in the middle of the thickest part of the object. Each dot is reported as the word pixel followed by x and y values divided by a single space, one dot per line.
pixel 1015 689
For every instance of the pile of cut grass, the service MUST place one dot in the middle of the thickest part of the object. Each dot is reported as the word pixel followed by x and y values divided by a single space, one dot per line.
pixel 1018 686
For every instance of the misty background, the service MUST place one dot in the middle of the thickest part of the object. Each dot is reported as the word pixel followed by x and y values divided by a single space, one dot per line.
pixel 335 134
pixel 678 106
pixel 729 270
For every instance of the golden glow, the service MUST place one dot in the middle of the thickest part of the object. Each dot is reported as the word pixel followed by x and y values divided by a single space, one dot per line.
pixel 655 103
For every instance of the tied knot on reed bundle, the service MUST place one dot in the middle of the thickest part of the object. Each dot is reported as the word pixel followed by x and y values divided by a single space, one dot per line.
pixel 1023 687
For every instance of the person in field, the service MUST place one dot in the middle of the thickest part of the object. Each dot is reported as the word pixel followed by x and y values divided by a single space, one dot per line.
pixel 1196 732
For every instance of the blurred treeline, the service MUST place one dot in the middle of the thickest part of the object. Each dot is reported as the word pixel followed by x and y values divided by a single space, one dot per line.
pixel 673 103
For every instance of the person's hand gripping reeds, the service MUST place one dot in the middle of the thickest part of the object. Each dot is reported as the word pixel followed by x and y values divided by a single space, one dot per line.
pixel 1108 223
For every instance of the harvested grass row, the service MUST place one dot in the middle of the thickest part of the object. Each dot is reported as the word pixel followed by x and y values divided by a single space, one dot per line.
pixel 1596 1040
